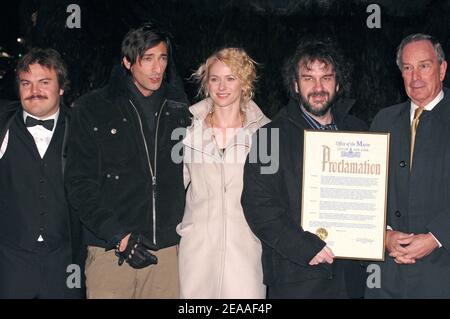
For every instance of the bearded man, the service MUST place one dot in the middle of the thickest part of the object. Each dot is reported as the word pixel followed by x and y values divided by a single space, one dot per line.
pixel 297 263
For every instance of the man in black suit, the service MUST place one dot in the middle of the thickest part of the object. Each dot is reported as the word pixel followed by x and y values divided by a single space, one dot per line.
pixel 38 236
pixel 417 262
pixel 297 263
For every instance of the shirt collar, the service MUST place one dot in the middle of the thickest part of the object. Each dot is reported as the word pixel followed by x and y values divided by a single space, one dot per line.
pixel 51 117
pixel 429 106
pixel 313 123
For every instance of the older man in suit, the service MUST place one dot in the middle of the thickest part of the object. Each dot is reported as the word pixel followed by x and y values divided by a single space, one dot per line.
pixel 417 264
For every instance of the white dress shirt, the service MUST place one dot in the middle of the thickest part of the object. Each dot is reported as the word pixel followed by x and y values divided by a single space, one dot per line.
pixel 429 106
pixel 42 137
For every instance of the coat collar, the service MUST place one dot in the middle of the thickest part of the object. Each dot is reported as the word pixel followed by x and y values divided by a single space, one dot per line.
pixel 339 110
pixel 442 110
pixel 199 136
pixel 118 87
pixel 201 110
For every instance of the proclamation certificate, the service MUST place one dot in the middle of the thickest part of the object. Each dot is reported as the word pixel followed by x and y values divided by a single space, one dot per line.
pixel 345 191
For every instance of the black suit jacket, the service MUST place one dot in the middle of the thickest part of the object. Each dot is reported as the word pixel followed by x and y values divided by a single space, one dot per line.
pixel 418 200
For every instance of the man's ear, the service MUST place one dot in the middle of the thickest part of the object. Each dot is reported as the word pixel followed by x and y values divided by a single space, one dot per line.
pixel 296 87
pixel 126 63
pixel 442 70
pixel 337 88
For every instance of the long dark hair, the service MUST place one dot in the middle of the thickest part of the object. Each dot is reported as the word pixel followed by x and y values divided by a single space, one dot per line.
pixel 324 50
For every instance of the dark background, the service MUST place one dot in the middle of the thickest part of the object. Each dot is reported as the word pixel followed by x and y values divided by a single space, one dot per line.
pixel 267 29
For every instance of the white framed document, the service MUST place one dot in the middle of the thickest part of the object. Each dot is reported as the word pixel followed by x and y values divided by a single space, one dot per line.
pixel 344 191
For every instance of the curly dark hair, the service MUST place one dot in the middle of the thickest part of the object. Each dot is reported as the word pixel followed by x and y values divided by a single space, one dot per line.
pixel 324 50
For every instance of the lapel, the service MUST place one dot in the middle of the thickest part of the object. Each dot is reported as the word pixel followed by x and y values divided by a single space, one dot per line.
pixel 56 141
pixel 441 112
pixel 403 127
pixel 295 115
pixel 434 119
pixel 199 136
pixel 294 141
pixel 25 136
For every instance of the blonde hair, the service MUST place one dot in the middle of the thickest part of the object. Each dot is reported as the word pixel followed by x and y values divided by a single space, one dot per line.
pixel 241 65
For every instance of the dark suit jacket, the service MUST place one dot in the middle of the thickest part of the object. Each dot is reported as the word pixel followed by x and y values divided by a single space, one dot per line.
pixel 418 201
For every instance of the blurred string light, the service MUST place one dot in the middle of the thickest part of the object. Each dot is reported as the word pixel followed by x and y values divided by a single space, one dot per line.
pixel 21 41
pixel 4 54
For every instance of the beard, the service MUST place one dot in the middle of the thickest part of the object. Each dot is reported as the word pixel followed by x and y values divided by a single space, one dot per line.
pixel 321 110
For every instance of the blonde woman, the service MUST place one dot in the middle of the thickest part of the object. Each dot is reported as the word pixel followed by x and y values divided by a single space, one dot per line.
pixel 219 257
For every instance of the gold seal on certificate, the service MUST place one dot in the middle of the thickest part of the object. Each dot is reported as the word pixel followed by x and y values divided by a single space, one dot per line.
pixel 322 233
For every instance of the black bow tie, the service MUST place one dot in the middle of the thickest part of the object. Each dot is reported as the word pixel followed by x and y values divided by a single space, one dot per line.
pixel 31 121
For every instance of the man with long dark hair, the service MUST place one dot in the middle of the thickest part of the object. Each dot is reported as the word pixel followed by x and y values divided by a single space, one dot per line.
pixel 297 263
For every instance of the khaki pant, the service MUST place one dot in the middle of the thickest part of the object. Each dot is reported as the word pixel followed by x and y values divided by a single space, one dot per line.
pixel 105 279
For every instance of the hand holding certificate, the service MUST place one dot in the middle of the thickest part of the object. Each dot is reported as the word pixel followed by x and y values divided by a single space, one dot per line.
pixel 344 191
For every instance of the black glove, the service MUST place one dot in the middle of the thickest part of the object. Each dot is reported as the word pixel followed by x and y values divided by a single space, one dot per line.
pixel 137 253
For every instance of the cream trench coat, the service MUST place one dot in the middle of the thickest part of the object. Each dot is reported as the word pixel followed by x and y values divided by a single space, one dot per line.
pixel 219 256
